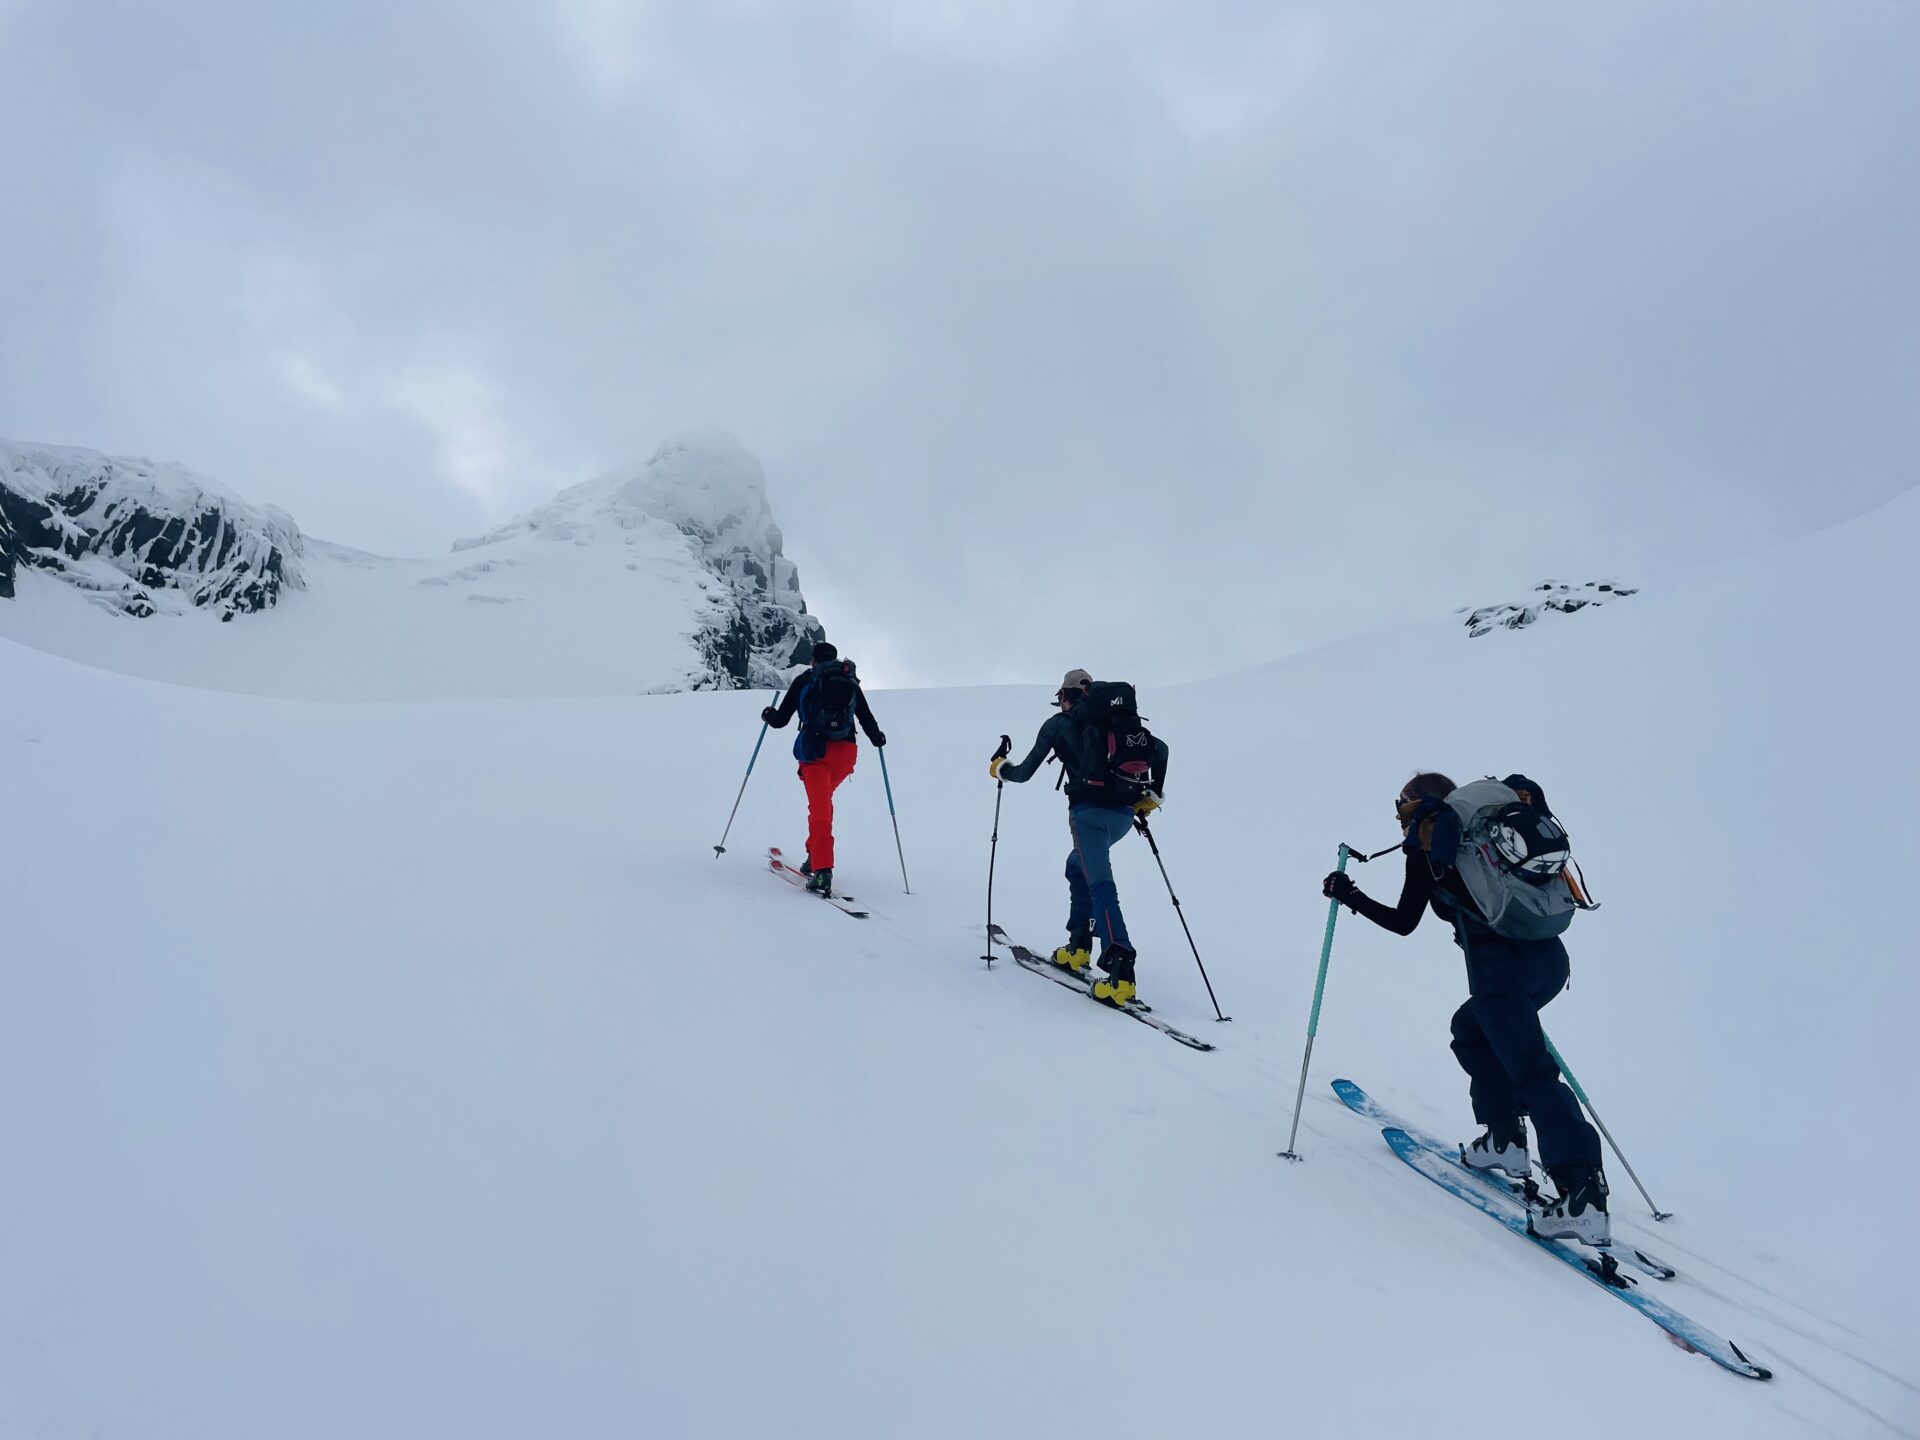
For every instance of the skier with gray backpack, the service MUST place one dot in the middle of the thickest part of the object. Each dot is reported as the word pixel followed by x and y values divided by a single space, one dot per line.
pixel 1494 864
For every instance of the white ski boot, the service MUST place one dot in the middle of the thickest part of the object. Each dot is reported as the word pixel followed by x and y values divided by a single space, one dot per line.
pixel 1579 1212
pixel 1502 1148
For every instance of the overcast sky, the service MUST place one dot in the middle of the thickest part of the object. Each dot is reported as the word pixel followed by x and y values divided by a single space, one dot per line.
pixel 1157 338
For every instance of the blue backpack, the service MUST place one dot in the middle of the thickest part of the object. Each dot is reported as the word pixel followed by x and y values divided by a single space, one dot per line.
pixel 826 708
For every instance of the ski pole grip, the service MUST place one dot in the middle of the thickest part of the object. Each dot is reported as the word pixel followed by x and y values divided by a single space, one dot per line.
pixel 1006 748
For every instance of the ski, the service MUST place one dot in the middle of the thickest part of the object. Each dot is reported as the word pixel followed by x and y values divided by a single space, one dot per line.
pixel 1689 1333
pixel 1040 965
pixel 1361 1103
pixel 840 902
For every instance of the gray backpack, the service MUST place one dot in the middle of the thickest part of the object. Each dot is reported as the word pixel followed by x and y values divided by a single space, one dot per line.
pixel 1514 859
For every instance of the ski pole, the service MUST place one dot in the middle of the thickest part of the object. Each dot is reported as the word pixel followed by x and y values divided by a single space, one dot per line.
pixel 721 848
pixel 1313 1021
pixel 993 851
pixel 896 819
pixel 1140 824
pixel 1581 1096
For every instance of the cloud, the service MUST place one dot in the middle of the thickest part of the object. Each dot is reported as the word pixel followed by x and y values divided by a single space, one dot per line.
pixel 603 37
pixel 461 411
pixel 1167 337
pixel 304 379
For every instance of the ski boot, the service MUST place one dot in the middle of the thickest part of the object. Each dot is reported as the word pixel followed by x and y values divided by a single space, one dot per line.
pixel 1503 1148
pixel 820 882
pixel 1118 987
pixel 1579 1212
pixel 1076 954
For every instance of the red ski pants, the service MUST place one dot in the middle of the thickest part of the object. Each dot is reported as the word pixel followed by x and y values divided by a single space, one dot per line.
pixel 822 777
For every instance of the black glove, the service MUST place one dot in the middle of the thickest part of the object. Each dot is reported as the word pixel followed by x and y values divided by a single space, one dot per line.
pixel 769 714
pixel 879 738
pixel 1339 886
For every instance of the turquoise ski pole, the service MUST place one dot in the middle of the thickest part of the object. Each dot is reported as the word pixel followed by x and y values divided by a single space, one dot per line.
pixel 1581 1095
pixel 896 819
pixel 1313 1021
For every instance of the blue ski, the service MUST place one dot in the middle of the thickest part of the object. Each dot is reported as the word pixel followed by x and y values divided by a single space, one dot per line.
pixel 1361 1103
pixel 1690 1334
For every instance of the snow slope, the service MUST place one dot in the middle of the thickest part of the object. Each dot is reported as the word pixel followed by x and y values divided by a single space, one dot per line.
pixel 665 576
pixel 418 1070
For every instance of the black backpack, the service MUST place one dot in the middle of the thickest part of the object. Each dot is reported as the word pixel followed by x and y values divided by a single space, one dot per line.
pixel 1114 747
pixel 827 701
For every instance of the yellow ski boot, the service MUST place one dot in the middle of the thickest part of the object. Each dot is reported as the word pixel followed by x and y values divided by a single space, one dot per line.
pixel 1067 957
pixel 1116 987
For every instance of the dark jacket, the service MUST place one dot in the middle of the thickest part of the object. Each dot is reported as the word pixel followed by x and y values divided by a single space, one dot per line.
pixel 783 712
pixel 1446 893
pixel 1056 738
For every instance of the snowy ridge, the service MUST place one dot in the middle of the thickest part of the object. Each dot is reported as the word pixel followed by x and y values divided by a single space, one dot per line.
pixel 141 537
pixel 666 576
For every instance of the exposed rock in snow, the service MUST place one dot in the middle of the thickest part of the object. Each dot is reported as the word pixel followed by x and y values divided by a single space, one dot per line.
pixel 140 537
pixel 1547 596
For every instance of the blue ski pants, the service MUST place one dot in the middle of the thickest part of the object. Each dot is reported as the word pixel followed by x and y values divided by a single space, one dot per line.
pixel 1499 1043
pixel 1094 900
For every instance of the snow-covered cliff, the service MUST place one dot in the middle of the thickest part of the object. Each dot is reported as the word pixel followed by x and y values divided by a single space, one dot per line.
pixel 668 575
pixel 710 489
pixel 140 537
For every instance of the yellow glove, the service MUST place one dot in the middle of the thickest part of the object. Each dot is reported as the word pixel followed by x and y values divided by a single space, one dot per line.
pixel 1146 804
pixel 993 766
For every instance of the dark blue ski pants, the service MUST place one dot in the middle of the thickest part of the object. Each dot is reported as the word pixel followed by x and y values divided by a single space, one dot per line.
pixel 1499 1043
pixel 1093 898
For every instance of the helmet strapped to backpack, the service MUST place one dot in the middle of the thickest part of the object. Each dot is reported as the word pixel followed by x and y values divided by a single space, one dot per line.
pixel 1115 750
pixel 1512 855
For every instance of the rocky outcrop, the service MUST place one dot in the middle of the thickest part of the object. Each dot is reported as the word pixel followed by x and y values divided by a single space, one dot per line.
pixel 754 627
pixel 138 536
pixel 1549 597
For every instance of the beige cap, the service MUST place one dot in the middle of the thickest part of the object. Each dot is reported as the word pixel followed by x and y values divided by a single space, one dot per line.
pixel 1076 680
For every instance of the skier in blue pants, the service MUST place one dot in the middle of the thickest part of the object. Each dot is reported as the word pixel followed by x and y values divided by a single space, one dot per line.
pixel 1097 823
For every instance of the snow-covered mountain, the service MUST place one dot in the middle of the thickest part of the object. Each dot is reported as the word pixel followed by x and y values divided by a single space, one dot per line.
pixel 665 576
pixel 139 537
pixel 443 1082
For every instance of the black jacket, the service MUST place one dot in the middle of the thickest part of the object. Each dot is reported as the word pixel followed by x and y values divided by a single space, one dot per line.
pixel 1446 893
pixel 1056 738
pixel 783 712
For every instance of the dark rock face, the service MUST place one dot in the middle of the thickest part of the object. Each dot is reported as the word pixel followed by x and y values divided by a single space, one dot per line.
pixel 1547 597
pixel 766 631
pixel 9 556
pixel 138 536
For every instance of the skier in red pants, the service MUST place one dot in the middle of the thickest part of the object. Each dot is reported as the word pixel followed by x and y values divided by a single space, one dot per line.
pixel 828 699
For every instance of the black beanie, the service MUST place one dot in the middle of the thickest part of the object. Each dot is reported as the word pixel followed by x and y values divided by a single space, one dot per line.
pixel 824 651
